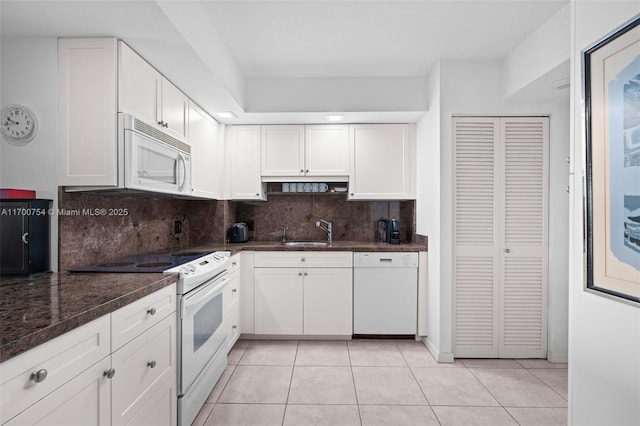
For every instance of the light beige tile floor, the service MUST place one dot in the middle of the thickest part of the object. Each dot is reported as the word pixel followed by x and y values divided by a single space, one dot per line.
pixel 380 382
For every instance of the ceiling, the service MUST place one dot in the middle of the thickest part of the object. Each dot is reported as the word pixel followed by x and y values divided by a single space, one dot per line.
pixel 217 51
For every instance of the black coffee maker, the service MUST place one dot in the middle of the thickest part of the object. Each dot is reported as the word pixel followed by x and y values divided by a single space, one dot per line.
pixel 393 231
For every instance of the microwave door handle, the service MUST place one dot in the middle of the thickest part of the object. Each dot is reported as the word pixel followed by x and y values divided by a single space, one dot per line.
pixel 182 161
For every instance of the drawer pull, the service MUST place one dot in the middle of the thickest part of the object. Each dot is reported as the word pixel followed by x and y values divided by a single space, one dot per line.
pixel 234 263
pixel 109 373
pixel 151 311
pixel 39 376
pixel 234 326
pixel 234 290
pixel 303 259
pixel 151 364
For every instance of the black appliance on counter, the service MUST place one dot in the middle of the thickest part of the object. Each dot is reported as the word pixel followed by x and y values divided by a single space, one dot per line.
pixel 24 232
pixel 393 231
pixel 238 233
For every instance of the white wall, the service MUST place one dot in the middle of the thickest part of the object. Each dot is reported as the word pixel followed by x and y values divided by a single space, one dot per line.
pixel 604 334
pixel 29 77
pixel 541 52
pixel 475 88
pixel 427 206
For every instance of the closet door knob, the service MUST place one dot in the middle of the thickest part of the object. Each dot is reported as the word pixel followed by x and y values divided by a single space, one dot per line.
pixel 507 251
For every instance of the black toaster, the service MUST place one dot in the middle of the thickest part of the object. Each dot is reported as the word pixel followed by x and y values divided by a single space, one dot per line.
pixel 238 233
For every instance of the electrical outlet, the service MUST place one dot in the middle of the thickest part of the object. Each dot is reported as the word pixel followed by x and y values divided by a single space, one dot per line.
pixel 177 227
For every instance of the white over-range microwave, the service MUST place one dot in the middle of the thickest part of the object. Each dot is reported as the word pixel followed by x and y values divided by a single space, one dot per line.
pixel 153 160
pixel 149 160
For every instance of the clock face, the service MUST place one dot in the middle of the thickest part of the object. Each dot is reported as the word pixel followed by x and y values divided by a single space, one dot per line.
pixel 19 124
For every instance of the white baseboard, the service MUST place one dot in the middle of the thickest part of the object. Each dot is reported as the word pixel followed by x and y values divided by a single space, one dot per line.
pixel 555 358
pixel 444 357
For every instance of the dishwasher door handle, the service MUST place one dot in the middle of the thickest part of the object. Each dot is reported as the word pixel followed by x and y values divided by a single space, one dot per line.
pixel 386 260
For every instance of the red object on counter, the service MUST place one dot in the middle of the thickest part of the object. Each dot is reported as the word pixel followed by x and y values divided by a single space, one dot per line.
pixel 12 193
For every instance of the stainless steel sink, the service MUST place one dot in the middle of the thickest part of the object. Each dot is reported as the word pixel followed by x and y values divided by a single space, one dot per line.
pixel 306 244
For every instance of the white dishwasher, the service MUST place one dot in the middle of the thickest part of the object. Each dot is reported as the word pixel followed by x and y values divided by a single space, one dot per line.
pixel 385 293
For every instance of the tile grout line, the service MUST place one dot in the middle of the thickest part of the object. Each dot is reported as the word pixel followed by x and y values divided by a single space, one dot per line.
pixel 353 379
pixel 286 403
pixel 490 393
pixel 545 383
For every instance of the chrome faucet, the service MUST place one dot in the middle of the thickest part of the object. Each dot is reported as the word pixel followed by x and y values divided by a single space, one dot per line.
pixel 326 227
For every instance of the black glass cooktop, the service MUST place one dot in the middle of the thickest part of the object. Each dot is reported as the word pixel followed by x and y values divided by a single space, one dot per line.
pixel 148 262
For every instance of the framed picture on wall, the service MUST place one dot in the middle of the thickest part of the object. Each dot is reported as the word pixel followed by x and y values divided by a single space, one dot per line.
pixel 612 110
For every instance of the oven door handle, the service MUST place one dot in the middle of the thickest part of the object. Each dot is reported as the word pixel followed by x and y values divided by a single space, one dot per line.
pixel 201 296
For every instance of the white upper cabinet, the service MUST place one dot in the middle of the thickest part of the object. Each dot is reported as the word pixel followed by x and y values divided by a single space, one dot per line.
pixel 244 144
pixel 87 106
pixel 312 151
pixel 282 151
pixel 145 93
pixel 382 162
pixel 206 172
pixel 327 150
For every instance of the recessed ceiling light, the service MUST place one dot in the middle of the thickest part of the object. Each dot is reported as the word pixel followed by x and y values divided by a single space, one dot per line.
pixel 335 117
pixel 225 114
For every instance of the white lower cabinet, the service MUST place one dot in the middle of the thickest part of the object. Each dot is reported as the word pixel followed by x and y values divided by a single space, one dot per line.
pixel 82 401
pixel 295 300
pixel 278 301
pixel 232 299
pixel 86 377
pixel 140 366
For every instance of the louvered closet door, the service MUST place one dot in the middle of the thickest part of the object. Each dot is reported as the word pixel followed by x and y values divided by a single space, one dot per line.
pixel 524 251
pixel 476 239
pixel 500 236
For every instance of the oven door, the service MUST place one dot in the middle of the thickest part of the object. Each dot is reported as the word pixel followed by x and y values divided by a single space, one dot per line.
pixel 202 331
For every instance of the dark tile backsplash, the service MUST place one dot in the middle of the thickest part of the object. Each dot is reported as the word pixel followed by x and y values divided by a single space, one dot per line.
pixel 149 223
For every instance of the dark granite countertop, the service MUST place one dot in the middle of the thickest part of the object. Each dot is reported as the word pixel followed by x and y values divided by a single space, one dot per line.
pixel 335 246
pixel 35 310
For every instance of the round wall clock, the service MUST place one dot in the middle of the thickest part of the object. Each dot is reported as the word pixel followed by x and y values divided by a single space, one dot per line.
pixel 19 124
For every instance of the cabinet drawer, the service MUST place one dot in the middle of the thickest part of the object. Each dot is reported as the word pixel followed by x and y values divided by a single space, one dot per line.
pixel 132 320
pixel 307 259
pixel 82 401
pixel 232 292
pixel 140 367
pixel 234 263
pixel 63 358
pixel 233 325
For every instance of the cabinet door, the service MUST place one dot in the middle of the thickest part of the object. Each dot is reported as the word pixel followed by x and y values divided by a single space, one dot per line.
pixel 328 301
pixel 203 138
pixel 85 400
pixel 278 301
pixel 139 86
pixel 327 150
pixel 161 408
pixel 283 151
pixel 87 104
pixel 246 183
pixel 380 162
pixel 175 105
pixel 62 358
pixel 232 306
pixel 142 366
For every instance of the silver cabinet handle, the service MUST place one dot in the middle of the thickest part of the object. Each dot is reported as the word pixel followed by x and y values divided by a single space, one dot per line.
pixel 25 238
pixel 234 290
pixel 151 364
pixel 234 263
pixel 507 251
pixel 109 373
pixel 299 274
pixel 234 326
pixel 151 311
pixel 303 259
pixel 301 171
pixel 307 171
pixel 38 376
